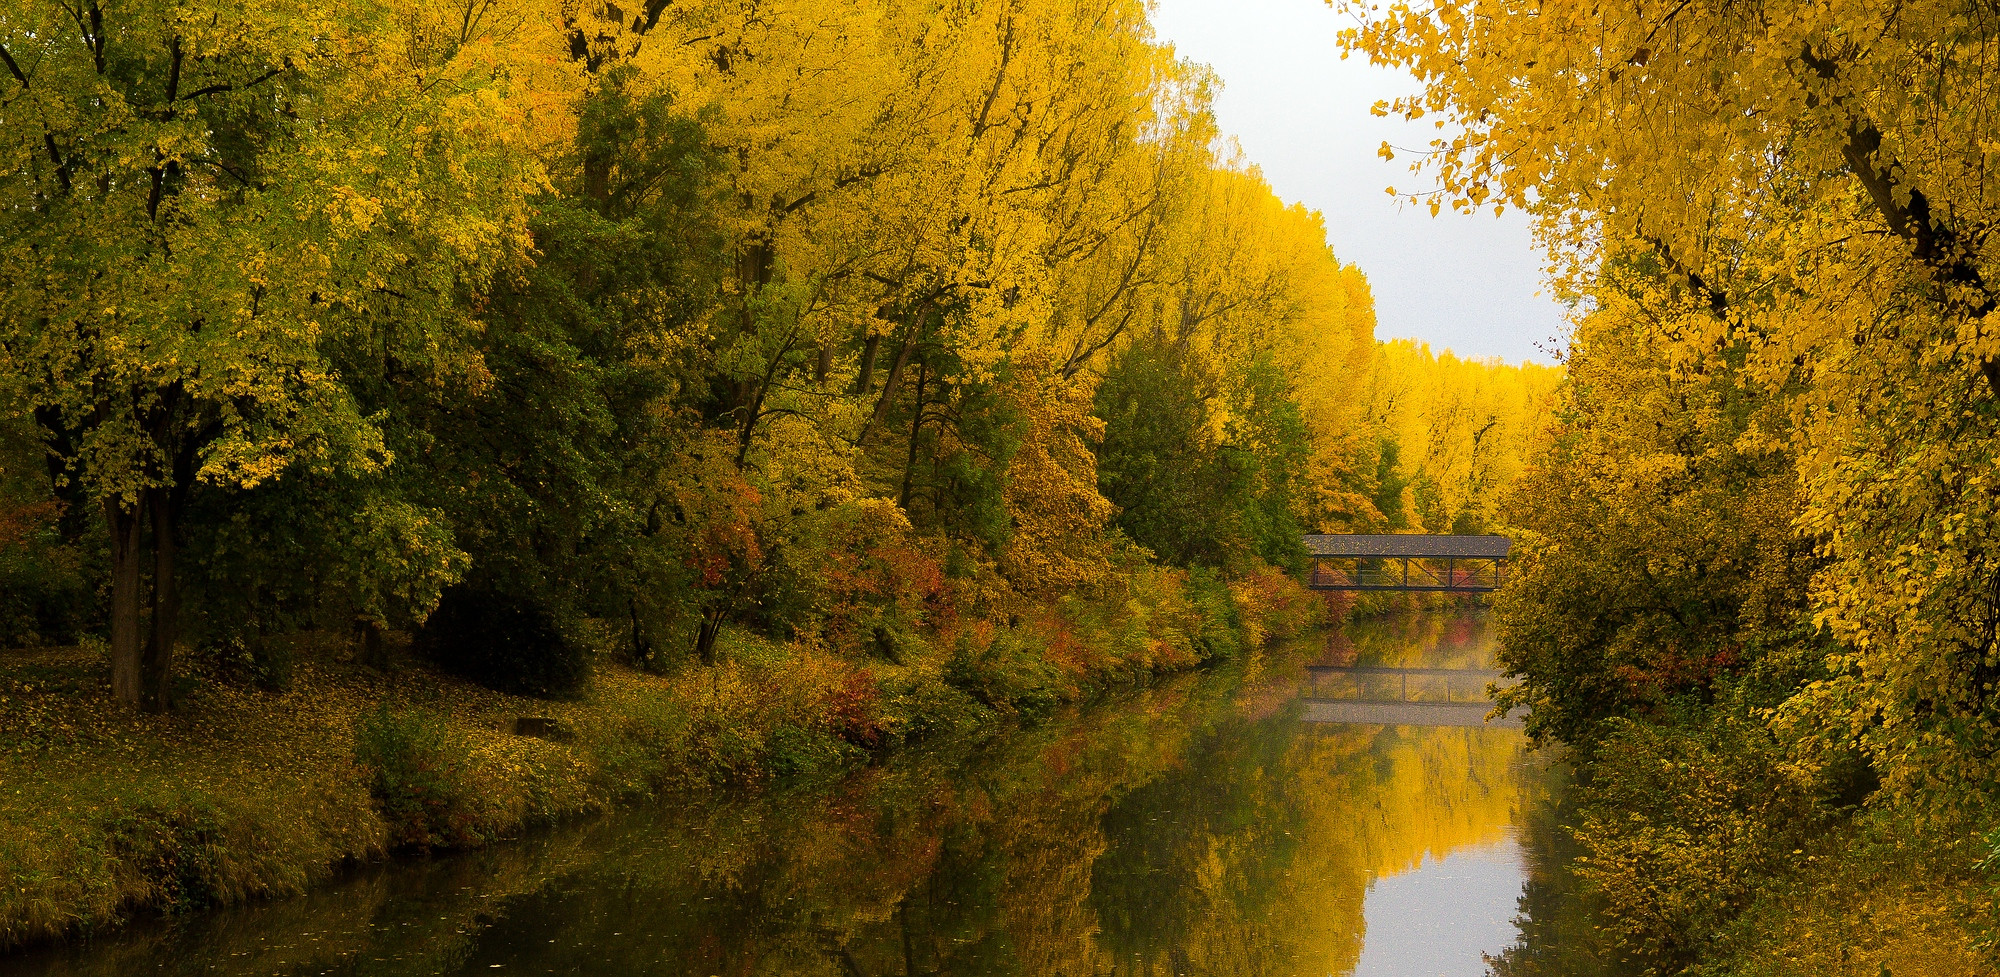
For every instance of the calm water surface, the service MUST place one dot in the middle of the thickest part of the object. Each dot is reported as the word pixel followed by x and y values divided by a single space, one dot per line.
pixel 1202 826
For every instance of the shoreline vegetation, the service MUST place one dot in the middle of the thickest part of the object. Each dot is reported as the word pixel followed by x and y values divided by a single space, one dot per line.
pixel 245 793
pixel 420 419
pixel 1035 849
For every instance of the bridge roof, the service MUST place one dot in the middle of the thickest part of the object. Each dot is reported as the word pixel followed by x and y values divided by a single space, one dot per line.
pixel 1409 544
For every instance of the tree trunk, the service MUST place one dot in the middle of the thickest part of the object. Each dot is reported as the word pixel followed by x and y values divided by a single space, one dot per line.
pixel 368 638
pixel 748 432
pixel 597 179
pixel 642 644
pixel 865 380
pixel 911 336
pixel 704 641
pixel 124 527
pixel 157 668
pixel 916 430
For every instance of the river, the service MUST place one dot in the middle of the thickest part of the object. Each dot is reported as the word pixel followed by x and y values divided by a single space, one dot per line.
pixel 1205 825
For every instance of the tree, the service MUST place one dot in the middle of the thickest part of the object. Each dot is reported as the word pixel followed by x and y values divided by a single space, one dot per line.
pixel 1818 178
pixel 1654 559
pixel 198 202
pixel 1191 494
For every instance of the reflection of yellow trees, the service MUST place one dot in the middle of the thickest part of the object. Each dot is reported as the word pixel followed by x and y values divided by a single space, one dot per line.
pixel 1186 829
pixel 1434 791
pixel 1254 854
pixel 1270 877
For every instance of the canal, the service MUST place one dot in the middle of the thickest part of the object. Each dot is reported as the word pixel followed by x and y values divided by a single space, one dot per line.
pixel 1218 823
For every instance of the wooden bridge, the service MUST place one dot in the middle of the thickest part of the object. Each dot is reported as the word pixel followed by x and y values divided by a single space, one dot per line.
pixel 1443 564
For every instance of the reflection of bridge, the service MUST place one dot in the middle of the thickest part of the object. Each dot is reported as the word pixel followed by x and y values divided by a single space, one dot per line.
pixel 1436 701
pixel 1445 564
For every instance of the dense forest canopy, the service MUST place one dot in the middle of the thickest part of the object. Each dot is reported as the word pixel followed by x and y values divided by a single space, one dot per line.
pixel 536 326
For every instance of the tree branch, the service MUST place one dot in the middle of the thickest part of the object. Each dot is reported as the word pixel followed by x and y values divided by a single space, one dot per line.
pixel 12 68
pixel 159 172
pixel 1936 245
pixel 48 138
pixel 219 89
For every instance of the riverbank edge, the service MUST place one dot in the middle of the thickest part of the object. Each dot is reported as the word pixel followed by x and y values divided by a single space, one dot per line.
pixel 1708 860
pixel 247 793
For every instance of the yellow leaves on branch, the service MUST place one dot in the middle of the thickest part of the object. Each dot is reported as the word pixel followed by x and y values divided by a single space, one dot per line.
pixel 1804 193
pixel 251 183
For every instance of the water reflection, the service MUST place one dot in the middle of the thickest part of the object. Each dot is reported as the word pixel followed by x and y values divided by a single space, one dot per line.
pixel 1199 827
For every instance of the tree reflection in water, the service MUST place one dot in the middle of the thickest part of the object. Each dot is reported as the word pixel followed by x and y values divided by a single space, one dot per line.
pixel 1197 827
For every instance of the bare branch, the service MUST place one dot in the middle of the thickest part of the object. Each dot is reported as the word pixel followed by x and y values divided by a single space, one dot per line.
pixel 12 68
pixel 219 89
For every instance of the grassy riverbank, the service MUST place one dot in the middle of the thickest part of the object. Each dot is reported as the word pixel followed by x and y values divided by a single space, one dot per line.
pixel 247 792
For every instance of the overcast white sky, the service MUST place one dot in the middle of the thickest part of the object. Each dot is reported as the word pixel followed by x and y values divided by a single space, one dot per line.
pixel 1469 283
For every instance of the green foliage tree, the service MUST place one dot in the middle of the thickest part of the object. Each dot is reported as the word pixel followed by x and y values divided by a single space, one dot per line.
pixel 559 469
pixel 198 201
pixel 1193 496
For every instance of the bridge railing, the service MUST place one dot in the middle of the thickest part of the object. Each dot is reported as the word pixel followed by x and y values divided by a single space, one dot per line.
pixel 1460 574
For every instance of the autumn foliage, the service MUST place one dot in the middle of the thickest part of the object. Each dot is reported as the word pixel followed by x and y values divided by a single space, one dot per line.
pixel 776 382
pixel 758 386
pixel 1763 532
pixel 788 318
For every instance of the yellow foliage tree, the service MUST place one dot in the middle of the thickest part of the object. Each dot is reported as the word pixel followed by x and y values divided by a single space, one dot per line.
pixel 1815 183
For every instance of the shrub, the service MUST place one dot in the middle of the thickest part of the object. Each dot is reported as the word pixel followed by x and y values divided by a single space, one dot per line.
pixel 511 644
pixel 1685 820
pixel 1275 606
pixel 248 658
pixel 47 588
pixel 419 778
pixel 801 751
pixel 1221 633
pixel 778 711
pixel 919 707
pixel 176 846
pixel 1011 674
